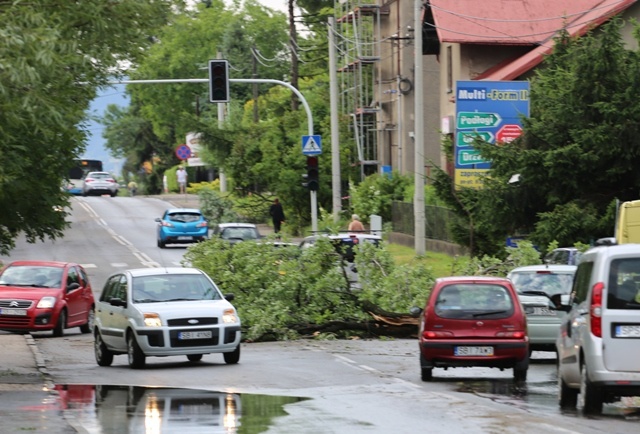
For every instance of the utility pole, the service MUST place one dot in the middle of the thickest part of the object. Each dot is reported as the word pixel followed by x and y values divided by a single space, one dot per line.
pixel 336 184
pixel 418 199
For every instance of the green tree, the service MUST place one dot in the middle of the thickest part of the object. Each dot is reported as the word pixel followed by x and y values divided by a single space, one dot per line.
pixel 55 54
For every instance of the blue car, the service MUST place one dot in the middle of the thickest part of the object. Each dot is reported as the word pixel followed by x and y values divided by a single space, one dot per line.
pixel 182 226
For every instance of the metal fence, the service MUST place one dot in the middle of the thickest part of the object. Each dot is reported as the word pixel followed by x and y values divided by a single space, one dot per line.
pixel 436 224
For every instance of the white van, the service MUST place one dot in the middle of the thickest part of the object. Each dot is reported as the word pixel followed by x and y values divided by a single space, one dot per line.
pixel 599 341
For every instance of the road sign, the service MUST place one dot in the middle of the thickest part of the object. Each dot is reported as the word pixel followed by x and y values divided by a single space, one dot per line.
pixel 470 156
pixel 311 145
pixel 183 152
pixel 478 120
pixel 466 138
pixel 507 133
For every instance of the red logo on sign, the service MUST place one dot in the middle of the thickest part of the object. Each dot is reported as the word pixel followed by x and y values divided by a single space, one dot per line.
pixel 508 133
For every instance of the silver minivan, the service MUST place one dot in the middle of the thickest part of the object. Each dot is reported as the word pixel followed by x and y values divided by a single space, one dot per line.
pixel 599 341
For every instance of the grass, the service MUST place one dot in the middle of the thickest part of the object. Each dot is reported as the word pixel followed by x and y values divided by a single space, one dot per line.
pixel 440 263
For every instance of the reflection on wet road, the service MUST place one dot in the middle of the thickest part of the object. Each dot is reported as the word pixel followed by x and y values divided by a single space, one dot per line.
pixel 133 409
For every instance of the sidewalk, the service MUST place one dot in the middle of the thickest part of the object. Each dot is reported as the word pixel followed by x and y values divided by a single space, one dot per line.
pixel 28 401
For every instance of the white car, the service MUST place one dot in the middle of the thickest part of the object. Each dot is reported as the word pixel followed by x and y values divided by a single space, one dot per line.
pixel 99 183
pixel 599 340
pixel 164 312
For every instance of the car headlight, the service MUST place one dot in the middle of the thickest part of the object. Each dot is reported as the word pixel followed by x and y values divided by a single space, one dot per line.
pixel 152 320
pixel 229 316
pixel 46 303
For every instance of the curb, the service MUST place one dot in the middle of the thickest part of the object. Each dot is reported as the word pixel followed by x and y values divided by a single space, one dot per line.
pixel 40 363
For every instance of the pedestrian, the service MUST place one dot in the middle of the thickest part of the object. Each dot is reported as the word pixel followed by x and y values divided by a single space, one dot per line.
pixel 165 183
pixel 182 179
pixel 355 225
pixel 277 215
pixel 133 188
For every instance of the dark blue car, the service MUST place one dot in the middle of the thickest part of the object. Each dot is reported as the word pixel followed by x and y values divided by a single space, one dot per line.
pixel 182 226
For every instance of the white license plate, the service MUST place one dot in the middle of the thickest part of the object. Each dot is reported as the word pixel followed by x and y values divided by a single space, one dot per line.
pixel 19 312
pixel 473 351
pixel 628 331
pixel 185 238
pixel 543 311
pixel 194 335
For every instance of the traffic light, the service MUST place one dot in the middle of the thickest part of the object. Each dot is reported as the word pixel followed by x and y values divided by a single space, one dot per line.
pixel 312 174
pixel 218 81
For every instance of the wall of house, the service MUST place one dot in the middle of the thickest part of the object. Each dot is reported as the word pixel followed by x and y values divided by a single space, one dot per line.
pixel 396 93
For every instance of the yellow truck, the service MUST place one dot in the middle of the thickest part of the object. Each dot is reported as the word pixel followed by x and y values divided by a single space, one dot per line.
pixel 628 223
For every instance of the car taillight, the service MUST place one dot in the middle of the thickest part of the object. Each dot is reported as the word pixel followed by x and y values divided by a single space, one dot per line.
pixel 202 225
pixel 111 180
pixel 596 309
pixel 166 224
pixel 431 334
pixel 89 180
pixel 511 334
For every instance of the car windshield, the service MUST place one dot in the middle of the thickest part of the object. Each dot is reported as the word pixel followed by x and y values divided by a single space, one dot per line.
pixel 623 286
pixel 549 282
pixel 184 217
pixel 36 276
pixel 474 300
pixel 173 287
pixel 239 233
pixel 99 175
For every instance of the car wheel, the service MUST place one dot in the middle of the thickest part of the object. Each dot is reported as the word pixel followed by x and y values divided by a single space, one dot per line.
pixel 567 397
pixel 520 370
pixel 134 353
pixel 233 357
pixel 161 244
pixel 426 374
pixel 426 370
pixel 88 326
pixel 194 357
pixel 590 399
pixel 114 194
pixel 104 357
pixel 61 324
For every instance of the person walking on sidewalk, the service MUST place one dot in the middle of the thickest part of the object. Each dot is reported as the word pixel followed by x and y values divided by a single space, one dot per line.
pixel 181 175
pixel 277 215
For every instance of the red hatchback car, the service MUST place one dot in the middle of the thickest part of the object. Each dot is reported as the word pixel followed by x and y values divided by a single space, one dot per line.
pixel 473 321
pixel 38 295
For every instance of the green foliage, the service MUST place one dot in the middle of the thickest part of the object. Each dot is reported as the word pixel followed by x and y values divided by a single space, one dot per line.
pixel 55 54
pixel 216 207
pixel 375 194
pixel 524 254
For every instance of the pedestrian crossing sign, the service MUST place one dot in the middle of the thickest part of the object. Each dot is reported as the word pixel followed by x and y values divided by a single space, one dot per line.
pixel 311 145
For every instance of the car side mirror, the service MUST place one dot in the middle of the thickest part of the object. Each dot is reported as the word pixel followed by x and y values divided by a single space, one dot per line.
pixel 229 297
pixel 415 311
pixel 158 220
pixel 73 286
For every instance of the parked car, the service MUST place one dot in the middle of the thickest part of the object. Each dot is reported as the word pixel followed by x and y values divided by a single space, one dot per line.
pixel 45 295
pixel 473 321
pixel 599 341
pixel 164 312
pixel 563 255
pixel 181 226
pixel 237 232
pixel 99 183
pixel 542 289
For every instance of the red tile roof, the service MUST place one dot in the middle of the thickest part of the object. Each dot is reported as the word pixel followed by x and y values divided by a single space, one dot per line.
pixel 518 22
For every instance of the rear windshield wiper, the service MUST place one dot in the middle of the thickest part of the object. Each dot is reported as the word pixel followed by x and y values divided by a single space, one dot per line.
pixel 491 312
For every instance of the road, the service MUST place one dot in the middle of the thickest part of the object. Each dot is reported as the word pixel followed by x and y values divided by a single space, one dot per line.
pixel 339 386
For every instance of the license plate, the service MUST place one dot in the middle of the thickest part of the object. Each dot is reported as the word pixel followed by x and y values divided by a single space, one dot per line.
pixel 473 351
pixel 19 312
pixel 183 336
pixel 543 311
pixel 628 331
pixel 185 238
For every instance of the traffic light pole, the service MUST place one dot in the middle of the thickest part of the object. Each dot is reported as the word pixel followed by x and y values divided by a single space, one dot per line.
pixel 314 199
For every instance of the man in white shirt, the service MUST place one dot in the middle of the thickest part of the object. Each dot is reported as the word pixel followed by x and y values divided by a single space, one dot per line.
pixel 182 179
